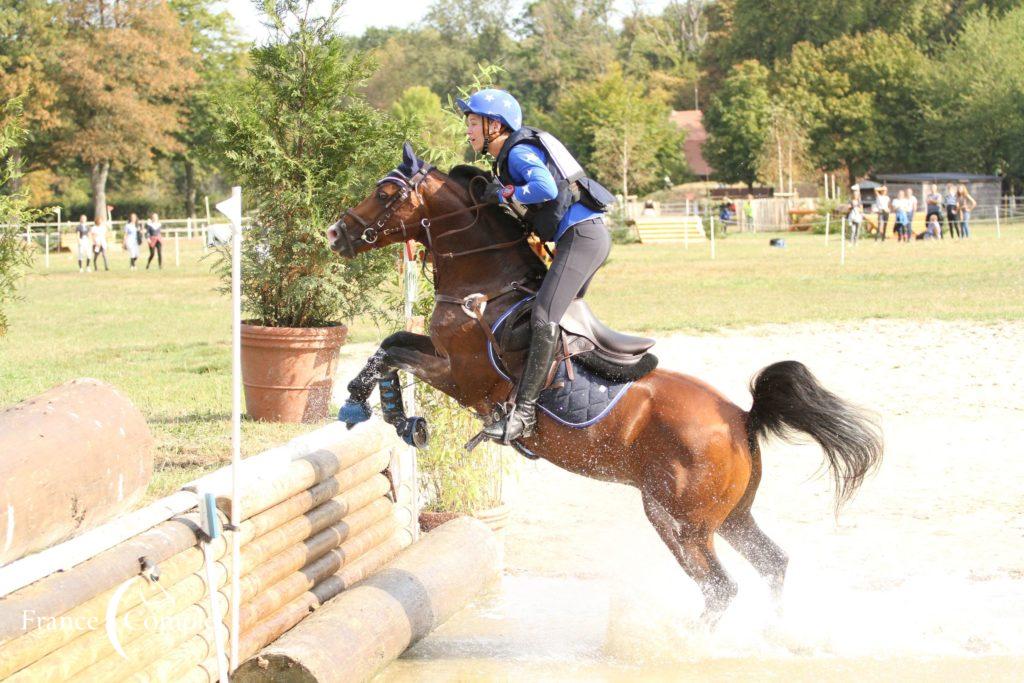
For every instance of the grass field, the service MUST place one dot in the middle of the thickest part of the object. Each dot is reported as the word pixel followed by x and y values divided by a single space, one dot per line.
pixel 163 337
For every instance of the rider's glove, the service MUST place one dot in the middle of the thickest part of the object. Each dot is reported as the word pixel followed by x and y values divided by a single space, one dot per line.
pixel 496 193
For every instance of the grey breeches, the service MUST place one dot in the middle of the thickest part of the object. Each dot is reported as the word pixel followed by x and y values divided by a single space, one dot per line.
pixel 579 253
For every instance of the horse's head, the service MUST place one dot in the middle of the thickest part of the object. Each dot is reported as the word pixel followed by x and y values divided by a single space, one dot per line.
pixel 393 212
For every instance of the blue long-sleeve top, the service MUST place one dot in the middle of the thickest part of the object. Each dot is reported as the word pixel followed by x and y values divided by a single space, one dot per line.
pixel 527 165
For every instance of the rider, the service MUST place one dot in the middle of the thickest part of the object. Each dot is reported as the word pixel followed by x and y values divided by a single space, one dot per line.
pixel 562 206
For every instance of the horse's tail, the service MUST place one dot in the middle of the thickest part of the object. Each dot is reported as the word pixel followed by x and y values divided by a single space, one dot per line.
pixel 788 398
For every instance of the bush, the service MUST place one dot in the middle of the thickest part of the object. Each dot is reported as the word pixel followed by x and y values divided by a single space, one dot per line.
pixel 303 142
pixel 15 254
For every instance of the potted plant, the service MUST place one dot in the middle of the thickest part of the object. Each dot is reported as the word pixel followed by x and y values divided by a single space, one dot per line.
pixel 301 141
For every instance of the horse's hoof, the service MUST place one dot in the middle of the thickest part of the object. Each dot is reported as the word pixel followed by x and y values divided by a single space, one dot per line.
pixel 415 432
pixel 353 412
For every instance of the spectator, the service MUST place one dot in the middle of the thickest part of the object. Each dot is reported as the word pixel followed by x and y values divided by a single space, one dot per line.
pixel 934 206
pixel 99 243
pixel 952 219
pixel 882 204
pixel 932 229
pixel 84 245
pixel 132 239
pixel 900 207
pixel 153 228
pixel 965 203
pixel 855 217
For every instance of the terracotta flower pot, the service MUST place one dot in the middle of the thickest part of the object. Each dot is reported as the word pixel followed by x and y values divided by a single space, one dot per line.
pixel 288 372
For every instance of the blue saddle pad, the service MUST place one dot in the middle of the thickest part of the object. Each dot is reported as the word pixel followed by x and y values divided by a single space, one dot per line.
pixel 580 402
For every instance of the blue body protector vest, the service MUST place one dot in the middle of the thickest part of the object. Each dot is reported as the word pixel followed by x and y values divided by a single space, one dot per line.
pixel 572 183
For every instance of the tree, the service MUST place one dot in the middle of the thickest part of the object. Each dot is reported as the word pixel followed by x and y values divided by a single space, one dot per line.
pixel 739 124
pixel 663 49
pixel 977 98
pixel 30 33
pixel 419 109
pixel 303 143
pixel 839 120
pixel 620 133
pixel 220 61
pixel 126 68
pixel 564 43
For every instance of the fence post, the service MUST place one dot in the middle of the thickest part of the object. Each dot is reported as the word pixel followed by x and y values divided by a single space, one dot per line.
pixel 999 233
pixel 712 238
pixel 842 244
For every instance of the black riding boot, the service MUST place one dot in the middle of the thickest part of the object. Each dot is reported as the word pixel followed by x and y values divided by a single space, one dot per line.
pixel 522 420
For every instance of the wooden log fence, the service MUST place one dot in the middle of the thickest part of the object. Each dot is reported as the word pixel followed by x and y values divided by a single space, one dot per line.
pixel 317 519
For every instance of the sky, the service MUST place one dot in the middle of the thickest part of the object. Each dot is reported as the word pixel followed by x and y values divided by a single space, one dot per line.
pixel 358 15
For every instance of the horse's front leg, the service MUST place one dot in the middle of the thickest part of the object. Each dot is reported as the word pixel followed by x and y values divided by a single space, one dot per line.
pixel 413 353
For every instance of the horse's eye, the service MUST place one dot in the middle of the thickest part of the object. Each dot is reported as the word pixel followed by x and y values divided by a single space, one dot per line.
pixel 383 196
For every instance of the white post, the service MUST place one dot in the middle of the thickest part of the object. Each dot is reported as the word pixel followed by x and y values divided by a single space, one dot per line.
pixel 58 227
pixel 828 218
pixel 177 250
pixel 232 208
pixel 712 238
pixel 842 244
pixel 999 233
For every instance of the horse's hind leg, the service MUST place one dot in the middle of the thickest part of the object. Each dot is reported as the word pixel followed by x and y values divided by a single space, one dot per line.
pixel 742 533
pixel 693 549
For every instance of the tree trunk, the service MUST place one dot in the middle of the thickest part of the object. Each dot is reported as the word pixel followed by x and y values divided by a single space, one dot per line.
pixel 190 189
pixel 99 189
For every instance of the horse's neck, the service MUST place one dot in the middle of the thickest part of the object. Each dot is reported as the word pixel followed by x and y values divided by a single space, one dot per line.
pixel 484 271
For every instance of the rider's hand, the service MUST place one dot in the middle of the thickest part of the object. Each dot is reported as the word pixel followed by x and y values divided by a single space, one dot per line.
pixel 496 193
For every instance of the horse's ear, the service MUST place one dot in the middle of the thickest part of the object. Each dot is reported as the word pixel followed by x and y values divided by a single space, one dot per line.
pixel 409 159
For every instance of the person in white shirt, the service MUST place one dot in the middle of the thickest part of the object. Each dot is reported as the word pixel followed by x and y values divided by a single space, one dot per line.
pixel 132 240
pixel 855 217
pixel 99 243
pixel 911 208
pixel 882 203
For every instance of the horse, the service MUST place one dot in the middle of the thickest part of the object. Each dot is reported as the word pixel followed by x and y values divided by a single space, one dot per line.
pixel 693 454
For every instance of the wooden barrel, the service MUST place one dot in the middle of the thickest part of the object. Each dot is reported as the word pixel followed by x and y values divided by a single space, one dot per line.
pixel 71 459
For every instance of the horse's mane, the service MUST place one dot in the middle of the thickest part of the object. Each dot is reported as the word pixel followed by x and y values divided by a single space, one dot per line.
pixel 463 176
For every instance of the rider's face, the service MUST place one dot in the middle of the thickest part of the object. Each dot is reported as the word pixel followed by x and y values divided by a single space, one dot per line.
pixel 475 131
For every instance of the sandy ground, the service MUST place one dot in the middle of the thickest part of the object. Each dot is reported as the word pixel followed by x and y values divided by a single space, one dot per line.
pixel 921 577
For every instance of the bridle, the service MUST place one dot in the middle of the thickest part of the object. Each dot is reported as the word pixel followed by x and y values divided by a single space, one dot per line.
pixel 374 229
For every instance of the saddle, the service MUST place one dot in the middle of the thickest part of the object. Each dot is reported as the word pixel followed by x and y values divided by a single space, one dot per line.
pixel 608 354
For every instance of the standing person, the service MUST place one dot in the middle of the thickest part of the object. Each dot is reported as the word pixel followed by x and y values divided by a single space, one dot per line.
pixel 911 210
pixel 563 206
pixel 965 203
pixel 882 204
pixel 855 217
pixel 131 240
pixel 99 243
pixel 84 244
pixel 900 207
pixel 952 219
pixel 153 228
pixel 934 206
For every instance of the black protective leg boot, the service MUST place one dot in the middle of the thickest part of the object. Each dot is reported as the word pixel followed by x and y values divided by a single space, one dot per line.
pixel 521 422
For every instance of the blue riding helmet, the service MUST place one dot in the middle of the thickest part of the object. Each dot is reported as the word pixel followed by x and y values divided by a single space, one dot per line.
pixel 494 104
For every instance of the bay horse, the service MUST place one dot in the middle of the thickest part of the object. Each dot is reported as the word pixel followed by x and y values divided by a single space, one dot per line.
pixel 692 453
